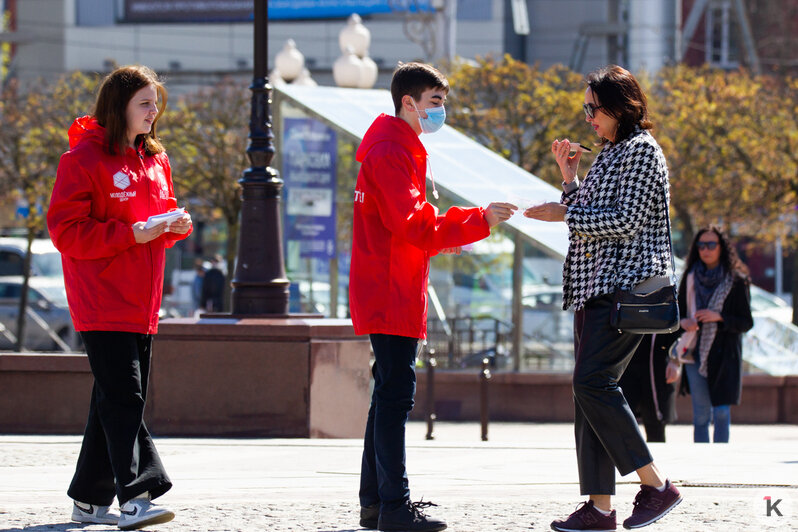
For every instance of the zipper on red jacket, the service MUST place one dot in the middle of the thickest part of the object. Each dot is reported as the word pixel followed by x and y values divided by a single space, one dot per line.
pixel 149 244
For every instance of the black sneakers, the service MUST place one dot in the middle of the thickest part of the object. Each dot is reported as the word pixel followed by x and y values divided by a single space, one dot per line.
pixel 409 516
pixel 369 516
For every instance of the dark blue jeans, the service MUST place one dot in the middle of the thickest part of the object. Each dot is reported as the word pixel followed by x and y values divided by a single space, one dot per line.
pixel 383 477
pixel 704 411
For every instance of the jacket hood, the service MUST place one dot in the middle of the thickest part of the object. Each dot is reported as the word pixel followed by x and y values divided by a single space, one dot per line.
pixel 84 129
pixel 390 129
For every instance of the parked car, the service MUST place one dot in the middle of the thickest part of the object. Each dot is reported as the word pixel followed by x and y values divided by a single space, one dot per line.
pixel 45 260
pixel 47 299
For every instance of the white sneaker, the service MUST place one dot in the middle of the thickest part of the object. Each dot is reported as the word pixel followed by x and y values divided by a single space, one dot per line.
pixel 91 513
pixel 141 512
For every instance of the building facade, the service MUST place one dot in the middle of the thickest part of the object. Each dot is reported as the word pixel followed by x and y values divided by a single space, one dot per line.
pixel 187 42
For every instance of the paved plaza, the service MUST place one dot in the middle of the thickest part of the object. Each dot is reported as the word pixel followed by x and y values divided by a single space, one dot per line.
pixel 520 479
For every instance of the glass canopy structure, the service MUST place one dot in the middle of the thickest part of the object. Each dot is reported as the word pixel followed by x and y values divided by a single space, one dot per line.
pixel 502 299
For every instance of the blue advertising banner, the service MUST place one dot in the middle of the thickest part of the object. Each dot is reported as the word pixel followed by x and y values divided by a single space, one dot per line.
pixel 303 9
pixel 242 10
pixel 309 153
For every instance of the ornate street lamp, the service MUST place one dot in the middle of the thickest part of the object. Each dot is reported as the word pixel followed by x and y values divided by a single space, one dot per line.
pixel 260 285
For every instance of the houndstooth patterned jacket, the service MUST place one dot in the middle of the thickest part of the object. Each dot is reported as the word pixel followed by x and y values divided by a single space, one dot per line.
pixel 617 228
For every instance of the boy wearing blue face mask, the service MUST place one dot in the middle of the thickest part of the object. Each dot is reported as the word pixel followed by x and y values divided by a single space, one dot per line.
pixel 395 232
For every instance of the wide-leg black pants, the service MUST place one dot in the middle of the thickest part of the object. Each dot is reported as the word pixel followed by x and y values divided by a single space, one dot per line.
pixel 607 433
pixel 118 456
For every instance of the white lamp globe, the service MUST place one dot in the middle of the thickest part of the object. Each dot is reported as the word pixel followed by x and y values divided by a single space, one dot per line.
pixel 369 76
pixel 305 80
pixel 348 69
pixel 289 61
pixel 276 79
pixel 356 35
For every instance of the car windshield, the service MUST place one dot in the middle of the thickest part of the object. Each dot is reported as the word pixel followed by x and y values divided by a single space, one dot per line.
pixel 48 264
pixel 55 293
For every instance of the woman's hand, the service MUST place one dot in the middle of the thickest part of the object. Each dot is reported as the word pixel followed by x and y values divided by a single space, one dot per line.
pixel 146 235
pixel 705 316
pixel 547 212
pixel 688 324
pixel 568 164
pixel 672 371
pixel 181 226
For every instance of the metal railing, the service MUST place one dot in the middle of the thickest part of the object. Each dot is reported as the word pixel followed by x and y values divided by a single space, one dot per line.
pixel 462 342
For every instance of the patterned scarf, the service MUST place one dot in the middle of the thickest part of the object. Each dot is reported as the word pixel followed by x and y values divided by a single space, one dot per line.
pixel 716 295
pixel 705 283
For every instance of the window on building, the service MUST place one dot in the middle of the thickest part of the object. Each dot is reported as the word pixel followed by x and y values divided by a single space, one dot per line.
pixel 722 35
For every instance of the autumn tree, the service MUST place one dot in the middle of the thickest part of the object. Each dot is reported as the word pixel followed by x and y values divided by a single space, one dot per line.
pixel 517 110
pixel 731 140
pixel 206 138
pixel 33 136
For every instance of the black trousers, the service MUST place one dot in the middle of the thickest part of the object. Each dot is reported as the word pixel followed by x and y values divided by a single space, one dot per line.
pixel 607 433
pixel 118 456
pixel 383 476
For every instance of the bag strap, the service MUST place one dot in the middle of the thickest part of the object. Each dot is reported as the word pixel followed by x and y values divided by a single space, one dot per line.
pixel 670 239
pixel 651 377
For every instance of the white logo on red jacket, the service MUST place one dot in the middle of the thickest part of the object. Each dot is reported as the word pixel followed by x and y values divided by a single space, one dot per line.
pixel 122 181
pixel 360 197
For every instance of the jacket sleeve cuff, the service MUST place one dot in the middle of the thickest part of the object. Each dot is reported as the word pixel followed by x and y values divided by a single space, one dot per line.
pixel 567 188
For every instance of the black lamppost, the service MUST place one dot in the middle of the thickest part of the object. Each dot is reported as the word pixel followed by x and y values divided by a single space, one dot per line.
pixel 260 285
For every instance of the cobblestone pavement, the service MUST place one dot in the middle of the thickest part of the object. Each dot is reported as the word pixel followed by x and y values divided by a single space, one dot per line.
pixel 521 479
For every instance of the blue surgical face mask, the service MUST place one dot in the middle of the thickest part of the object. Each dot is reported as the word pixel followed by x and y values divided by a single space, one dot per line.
pixel 436 116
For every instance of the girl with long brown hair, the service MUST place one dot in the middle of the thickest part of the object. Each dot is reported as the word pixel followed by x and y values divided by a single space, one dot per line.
pixel 113 178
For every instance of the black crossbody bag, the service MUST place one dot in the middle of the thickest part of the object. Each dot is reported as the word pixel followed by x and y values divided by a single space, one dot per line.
pixel 655 312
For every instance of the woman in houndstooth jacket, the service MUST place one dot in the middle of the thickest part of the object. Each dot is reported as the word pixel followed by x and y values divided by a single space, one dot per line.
pixel 618 236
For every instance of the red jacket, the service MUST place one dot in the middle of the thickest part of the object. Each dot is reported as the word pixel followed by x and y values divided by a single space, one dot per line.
pixel 112 283
pixel 395 231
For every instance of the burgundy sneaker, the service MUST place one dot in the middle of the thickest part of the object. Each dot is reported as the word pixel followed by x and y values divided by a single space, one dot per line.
pixel 585 518
pixel 652 504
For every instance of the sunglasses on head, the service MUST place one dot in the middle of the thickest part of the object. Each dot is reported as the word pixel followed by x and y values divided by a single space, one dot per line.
pixel 590 109
pixel 706 245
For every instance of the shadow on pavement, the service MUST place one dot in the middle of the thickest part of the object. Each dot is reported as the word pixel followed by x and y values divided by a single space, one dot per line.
pixel 63 527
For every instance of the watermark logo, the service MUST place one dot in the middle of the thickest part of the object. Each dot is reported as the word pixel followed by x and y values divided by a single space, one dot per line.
pixel 772 506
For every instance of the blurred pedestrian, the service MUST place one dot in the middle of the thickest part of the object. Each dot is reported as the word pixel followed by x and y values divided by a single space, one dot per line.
pixel 115 175
pixel 715 302
pixel 395 232
pixel 213 287
pixel 618 232
pixel 649 384
pixel 196 285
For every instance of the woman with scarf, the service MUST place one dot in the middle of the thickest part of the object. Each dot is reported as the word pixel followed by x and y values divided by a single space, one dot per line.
pixel 715 302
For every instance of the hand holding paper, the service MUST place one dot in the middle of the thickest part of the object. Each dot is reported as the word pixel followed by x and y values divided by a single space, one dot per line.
pixel 177 221
pixel 167 217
